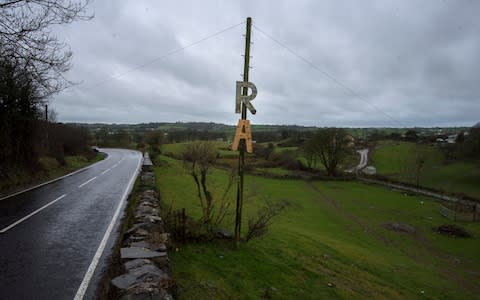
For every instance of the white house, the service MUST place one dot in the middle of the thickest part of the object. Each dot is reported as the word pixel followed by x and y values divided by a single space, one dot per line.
pixel 452 138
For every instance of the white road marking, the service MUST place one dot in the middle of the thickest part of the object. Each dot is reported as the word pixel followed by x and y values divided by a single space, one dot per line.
pixel 114 166
pixel 87 182
pixel 31 214
pixel 93 265
pixel 106 171
pixel 119 162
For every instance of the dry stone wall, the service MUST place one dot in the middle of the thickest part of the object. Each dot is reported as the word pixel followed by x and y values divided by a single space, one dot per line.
pixel 143 253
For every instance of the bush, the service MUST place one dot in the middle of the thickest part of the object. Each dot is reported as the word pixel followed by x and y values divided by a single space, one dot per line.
pixel 292 142
pixel 288 160
pixel 264 152
pixel 154 152
pixel 452 230
pixel 258 227
pixel 47 163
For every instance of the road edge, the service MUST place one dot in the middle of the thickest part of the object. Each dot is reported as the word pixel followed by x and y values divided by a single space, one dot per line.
pixel 82 289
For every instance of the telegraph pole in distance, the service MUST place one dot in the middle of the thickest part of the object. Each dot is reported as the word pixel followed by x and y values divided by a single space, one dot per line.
pixel 242 146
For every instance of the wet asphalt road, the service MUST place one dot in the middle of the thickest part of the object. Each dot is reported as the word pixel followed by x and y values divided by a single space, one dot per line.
pixel 48 254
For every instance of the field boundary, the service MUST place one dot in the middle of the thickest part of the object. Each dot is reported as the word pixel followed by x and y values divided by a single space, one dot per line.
pixel 420 191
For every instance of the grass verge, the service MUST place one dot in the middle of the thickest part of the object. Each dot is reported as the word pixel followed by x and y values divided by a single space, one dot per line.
pixel 51 169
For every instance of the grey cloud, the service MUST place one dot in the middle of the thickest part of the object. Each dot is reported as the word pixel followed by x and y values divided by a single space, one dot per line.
pixel 414 61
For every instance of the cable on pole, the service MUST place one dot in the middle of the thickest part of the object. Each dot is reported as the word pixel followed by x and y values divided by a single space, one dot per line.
pixel 170 53
pixel 328 75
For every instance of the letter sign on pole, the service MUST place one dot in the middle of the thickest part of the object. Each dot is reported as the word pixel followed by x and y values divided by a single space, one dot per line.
pixel 243 132
pixel 245 98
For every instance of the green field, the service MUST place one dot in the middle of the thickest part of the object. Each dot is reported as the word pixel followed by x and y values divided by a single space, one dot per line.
pixel 329 244
pixel 177 148
pixel 397 160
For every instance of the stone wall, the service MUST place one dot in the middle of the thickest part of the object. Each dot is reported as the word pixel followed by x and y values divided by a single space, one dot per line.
pixel 143 252
pixel 460 215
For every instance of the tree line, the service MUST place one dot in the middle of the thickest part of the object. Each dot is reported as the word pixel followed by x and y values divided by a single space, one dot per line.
pixel 32 66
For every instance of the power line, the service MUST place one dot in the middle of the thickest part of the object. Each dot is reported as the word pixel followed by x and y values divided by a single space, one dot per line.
pixel 328 75
pixel 170 53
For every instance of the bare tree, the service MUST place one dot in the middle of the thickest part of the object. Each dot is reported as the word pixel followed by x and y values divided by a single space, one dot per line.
pixel 329 145
pixel 32 63
pixel 309 152
pixel 26 37
pixel 224 203
pixel 199 157
pixel 154 139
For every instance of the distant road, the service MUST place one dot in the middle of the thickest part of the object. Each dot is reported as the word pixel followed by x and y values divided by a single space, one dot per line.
pixel 52 239
pixel 363 159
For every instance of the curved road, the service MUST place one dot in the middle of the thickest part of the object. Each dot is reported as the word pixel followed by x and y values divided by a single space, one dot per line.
pixel 52 239
pixel 363 159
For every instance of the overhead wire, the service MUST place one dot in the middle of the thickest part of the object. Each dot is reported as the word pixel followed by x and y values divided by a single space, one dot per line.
pixel 338 82
pixel 170 53
pixel 325 73
pixel 276 41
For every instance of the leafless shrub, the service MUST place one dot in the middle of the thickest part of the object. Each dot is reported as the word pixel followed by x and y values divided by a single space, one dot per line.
pixel 258 226
pixel 199 157
pixel 224 203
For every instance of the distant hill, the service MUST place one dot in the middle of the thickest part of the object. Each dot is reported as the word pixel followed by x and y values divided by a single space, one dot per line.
pixel 229 130
pixel 199 126
pixel 477 125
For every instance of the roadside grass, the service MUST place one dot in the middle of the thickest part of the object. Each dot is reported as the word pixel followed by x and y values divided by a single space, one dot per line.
pixel 51 169
pixel 329 244
pixel 396 160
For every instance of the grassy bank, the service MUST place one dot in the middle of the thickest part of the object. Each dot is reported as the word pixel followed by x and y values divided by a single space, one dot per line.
pixel 50 169
pixel 397 160
pixel 329 244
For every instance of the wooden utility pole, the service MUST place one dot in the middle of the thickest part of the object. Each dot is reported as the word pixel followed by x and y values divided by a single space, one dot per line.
pixel 46 128
pixel 242 148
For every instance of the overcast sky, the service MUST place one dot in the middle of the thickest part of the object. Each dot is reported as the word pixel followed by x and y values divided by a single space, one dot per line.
pixel 416 62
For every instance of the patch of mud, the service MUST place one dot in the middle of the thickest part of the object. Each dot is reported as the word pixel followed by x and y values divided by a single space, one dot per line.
pixel 399 227
pixel 452 231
